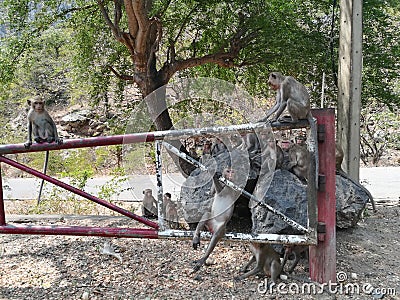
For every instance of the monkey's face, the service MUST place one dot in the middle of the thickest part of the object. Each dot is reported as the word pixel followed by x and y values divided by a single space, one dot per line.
pixel 38 106
pixel 274 82
pixel 229 174
pixel 148 192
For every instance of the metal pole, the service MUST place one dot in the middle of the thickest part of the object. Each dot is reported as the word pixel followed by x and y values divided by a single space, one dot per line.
pixel 146 137
pixel 160 191
pixel 323 255
pixel 2 211
pixel 79 230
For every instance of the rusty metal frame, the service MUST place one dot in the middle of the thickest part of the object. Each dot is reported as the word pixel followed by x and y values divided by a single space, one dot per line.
pixel 157 230
pixel 310 233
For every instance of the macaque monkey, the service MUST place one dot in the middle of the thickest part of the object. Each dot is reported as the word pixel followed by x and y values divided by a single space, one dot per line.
pixel 299 161
pixel 291 94
pixel 149 209
pixel 267 260
pixel 296 250
pixel 221 212
pixel 339 155
pixel 280 156
pixel 170 212
pixel 40 124
pixel 217 147
pixel 43 129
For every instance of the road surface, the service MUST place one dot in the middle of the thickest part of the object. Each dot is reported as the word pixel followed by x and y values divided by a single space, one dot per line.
pixel 382 182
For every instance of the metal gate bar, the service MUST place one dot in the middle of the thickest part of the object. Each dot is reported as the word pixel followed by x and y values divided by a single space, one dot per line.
pixel 80 231
pixel 78 192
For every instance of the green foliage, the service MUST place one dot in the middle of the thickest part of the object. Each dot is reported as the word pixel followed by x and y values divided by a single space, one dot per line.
pixel 381 50
pixel 58 202
pixel 290 36
pixel 379 132
pixel 113 188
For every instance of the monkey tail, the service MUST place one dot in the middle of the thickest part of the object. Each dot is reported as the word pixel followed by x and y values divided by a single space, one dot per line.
pixel 46 161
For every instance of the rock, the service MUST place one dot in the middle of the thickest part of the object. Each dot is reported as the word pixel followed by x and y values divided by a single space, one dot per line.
pixel 351 201
pixel 287 194
pixel 195 195
pixel 81 116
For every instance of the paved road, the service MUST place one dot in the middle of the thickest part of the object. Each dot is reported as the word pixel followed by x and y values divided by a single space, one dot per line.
pixel 27 188
pixel 383 183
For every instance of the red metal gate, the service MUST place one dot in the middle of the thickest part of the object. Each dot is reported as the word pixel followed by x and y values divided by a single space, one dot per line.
pixel 321 237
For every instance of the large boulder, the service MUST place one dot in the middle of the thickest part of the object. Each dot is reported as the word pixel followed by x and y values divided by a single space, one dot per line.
pixel 351 201
pixel 195 197
pixel 286 194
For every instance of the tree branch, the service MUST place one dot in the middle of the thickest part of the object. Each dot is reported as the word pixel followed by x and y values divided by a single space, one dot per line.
pixel 155 23
pixel 144 38
pixel 69 10
pixel 110 24
pixel 117 12
pixel 132 22
pixel 122 76
pixel 162 11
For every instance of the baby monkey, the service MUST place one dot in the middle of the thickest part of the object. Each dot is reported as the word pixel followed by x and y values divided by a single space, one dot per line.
pixel 267 260
pixel 170 211
pixel 150 205
pixel 40 124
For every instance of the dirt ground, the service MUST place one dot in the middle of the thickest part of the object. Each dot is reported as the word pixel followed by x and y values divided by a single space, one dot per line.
pixel 61 267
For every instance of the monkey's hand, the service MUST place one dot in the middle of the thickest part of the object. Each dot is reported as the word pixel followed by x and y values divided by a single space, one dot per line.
pixel 28 144
pixel 59 141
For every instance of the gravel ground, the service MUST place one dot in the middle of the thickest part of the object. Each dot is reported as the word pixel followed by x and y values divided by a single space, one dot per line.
pixel 61 267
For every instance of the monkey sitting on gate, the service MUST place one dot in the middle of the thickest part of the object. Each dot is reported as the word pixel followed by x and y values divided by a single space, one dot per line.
pixel 43 129
pixel 291 94
pixel 221 212
pixel 40 124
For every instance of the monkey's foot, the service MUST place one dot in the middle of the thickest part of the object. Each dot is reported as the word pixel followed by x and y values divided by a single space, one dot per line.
pixel 286 119
pixel 195 269
pixel 197 265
